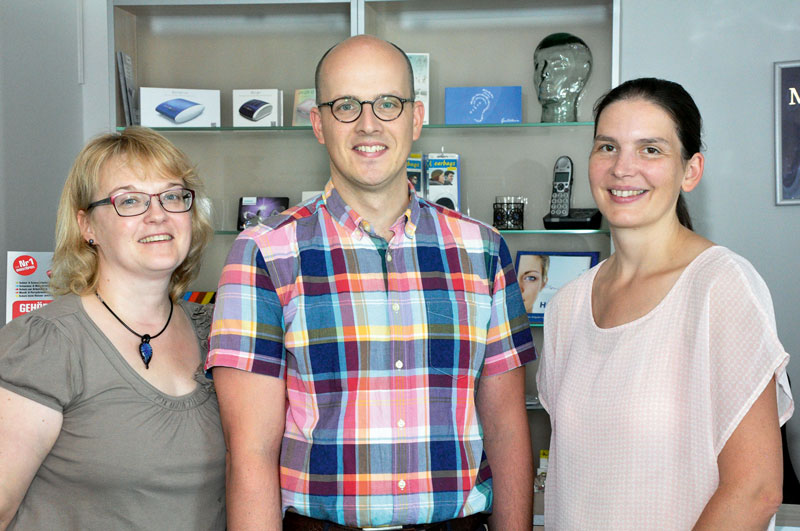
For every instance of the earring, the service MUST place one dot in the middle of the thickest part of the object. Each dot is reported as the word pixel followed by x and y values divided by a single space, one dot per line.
pixel 91 242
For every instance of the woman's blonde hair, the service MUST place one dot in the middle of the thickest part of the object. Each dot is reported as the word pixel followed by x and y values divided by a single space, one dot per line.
pixel 74 268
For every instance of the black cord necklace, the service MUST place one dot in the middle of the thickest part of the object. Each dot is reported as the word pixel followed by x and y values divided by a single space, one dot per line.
pixel 145 349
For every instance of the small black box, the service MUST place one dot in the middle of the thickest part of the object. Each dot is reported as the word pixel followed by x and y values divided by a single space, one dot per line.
pixel 579 218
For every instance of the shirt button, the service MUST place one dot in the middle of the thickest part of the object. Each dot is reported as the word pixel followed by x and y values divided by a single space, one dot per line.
pixel 388 257
pixel 398 364
pixel 401 423
pixel 395 307
pixel 401 484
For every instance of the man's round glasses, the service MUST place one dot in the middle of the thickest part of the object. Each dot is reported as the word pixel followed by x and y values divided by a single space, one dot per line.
pixel 385 108
pixel 136 203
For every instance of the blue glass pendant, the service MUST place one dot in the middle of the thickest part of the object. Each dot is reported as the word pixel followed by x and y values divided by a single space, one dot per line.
pixel 146 351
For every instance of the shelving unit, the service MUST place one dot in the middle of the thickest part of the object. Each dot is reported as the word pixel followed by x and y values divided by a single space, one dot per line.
pixel 232 44
pixel 228 44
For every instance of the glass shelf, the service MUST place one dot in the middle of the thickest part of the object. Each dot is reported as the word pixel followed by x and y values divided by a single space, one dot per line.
pixel 556 232
pixel 503 232
pixel 226 129
pixel 488 126
pixel 308 127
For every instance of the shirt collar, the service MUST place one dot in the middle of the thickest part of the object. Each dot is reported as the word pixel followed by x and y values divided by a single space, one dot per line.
pixel 354 223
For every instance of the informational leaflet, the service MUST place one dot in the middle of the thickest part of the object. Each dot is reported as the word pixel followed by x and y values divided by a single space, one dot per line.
pixel 27 284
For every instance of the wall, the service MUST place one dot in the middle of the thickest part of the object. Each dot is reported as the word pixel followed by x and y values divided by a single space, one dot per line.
pixel 725 61
pixel 40 120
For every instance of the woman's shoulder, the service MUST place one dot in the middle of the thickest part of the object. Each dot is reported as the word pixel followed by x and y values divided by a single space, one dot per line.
pixel 41 355
pixel 720 264
pixel 58 314
pixel 725 277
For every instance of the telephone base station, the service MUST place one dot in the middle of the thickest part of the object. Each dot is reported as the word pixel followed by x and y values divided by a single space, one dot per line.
pixel 579 218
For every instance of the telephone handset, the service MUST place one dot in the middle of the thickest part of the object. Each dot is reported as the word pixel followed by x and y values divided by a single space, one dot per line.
pixel 562 187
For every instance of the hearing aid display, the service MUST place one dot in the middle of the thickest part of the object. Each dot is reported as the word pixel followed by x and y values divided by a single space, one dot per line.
pixel 180 110
pixel 173 107
pixel 257 107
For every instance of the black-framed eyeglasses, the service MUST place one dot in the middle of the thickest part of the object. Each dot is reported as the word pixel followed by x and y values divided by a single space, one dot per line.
pixel 136 203
pixel 385 108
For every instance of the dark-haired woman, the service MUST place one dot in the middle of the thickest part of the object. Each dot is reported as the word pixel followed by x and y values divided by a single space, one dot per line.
pixel 106 421
pixel 661 368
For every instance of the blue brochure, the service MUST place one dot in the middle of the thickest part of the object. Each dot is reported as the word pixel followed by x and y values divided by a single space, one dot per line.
pixel 483 105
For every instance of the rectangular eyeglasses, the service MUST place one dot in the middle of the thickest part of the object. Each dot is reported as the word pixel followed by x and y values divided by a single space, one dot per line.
pixel 129 204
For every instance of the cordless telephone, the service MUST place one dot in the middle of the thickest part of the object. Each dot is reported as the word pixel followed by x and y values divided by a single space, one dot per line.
pixel 561 216
pixel 562 187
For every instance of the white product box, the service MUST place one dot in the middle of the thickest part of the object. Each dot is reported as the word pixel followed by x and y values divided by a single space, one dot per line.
pixel 420 66
pixel 176 107
pixel 257 108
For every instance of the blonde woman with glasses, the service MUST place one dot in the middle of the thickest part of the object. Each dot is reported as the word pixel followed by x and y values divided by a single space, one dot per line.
pixel 107 421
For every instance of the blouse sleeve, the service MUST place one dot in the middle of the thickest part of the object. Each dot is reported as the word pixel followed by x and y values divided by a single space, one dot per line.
pixel 744 349
pixel 201 316
pixel 38 361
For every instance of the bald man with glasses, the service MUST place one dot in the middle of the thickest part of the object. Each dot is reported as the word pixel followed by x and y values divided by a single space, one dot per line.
pixel 369 347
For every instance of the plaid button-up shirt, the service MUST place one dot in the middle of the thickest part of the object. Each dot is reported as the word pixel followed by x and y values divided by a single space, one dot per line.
pixel 382 346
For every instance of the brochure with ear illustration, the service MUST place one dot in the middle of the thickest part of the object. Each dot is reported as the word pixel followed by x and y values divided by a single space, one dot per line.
pixel 483 105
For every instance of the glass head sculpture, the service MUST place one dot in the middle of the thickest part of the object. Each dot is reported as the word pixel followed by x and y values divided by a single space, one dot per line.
pixel 562 64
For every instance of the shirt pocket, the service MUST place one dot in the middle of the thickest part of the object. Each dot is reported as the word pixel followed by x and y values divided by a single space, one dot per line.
pixel 452 347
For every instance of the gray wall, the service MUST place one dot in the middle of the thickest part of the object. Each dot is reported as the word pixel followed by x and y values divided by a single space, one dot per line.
pixel 40 120
pixel 722 52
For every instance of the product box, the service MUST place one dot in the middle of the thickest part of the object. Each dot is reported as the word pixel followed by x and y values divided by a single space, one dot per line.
pixel 255 210
pixel 414 172
pixel 442 179
pixel 176 107
pixel 257 107
pixel 420 66
pixel 304 101
pixel 483 105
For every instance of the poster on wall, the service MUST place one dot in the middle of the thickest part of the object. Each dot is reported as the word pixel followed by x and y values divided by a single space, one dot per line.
pixel 787 133
pixel 541 274
pixel 27 282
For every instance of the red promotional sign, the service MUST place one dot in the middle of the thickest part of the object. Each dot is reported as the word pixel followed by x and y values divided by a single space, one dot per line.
pixel 25 265
pixel 27 282
pixel 23 307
